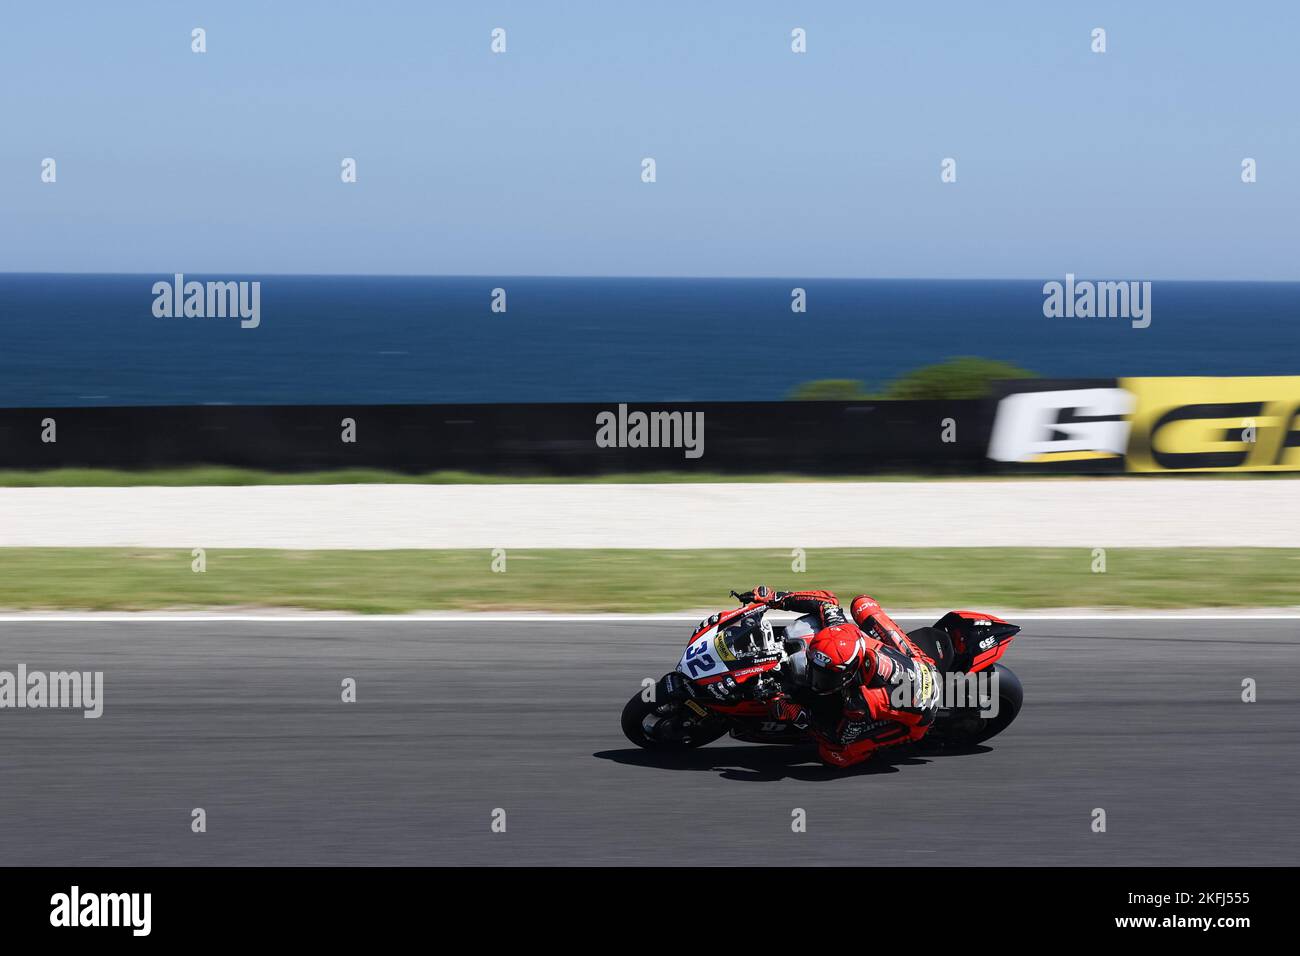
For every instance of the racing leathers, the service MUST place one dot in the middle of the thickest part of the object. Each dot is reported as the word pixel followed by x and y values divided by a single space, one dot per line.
pixel 886 689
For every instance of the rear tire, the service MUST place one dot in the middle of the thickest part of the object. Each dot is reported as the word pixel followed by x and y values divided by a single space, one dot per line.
pixel 1010 696
pixel 675 729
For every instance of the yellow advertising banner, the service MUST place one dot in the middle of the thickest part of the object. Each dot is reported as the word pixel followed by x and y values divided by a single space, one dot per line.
pixel 1214 424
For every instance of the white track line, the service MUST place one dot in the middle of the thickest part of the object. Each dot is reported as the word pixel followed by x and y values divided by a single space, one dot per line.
pixel 523 617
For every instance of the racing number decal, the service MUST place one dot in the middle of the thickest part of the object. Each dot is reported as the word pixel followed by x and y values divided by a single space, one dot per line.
pixel 698 659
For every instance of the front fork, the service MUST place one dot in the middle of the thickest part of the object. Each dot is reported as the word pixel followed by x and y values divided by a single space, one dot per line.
pixel 678 712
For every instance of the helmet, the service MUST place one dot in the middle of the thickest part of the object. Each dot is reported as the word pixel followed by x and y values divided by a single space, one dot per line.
pixel 748 635
pixel 835 656
pixel 861 608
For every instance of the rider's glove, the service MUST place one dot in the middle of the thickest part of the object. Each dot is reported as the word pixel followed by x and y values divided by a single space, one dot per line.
pixel 766 687
pixel 788 712
pixel 760 595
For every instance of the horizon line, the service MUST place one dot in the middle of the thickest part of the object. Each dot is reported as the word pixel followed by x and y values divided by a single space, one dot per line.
pixel 701 278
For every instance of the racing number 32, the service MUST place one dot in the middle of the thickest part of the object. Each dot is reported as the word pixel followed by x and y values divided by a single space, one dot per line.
pixel 697 658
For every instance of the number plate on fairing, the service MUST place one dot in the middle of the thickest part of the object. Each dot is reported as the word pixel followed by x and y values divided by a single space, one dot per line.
pixel 701 659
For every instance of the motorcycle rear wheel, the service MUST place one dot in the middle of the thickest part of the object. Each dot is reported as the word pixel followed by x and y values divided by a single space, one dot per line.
pixel 675 729
pixel 975 729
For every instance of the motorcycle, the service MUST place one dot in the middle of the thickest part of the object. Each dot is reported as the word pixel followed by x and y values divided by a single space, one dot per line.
pixel 736 662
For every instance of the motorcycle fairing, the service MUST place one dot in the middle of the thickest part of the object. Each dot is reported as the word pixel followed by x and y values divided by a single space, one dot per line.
pixel 979 639
pixel 708 658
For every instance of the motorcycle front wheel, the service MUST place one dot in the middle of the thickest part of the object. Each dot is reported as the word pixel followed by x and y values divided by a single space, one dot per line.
pixel 668 725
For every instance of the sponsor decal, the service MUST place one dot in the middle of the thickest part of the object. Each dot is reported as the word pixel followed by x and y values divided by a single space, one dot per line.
pixel 884 666
pixel 1215 424
pixel 722 689
pixel 857 729
pixel 1168 424
pixel 1067 425
pixel 927 682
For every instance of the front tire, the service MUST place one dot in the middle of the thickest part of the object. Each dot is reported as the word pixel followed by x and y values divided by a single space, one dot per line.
pixel 667 726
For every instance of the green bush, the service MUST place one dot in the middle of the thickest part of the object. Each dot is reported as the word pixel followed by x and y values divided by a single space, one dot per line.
pixel 967 376
pixel 829 390
pixel 964 377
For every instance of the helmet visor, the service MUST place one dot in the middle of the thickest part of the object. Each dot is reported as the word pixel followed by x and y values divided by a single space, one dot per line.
pixel 824 681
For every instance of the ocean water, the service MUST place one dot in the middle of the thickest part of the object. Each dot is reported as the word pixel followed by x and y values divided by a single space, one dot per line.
pixel 93 339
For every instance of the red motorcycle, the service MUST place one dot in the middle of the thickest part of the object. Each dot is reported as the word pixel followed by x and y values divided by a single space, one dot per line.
pixel 737 662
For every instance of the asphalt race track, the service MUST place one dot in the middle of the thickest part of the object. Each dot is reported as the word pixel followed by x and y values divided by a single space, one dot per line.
pixel 453 720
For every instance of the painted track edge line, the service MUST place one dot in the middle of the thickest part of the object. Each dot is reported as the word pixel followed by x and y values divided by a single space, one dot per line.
pixel 525 617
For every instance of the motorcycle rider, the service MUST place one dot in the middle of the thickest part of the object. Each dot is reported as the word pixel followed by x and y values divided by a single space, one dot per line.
pixel 868 685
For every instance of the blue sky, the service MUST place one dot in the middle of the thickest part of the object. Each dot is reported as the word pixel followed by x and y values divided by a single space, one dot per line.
pixel 1123 165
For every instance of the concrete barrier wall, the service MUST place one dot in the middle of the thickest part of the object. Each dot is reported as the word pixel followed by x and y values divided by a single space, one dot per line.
pixel 558 439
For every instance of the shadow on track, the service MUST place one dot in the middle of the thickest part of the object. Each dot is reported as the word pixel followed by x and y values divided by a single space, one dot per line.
pixel 761 764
